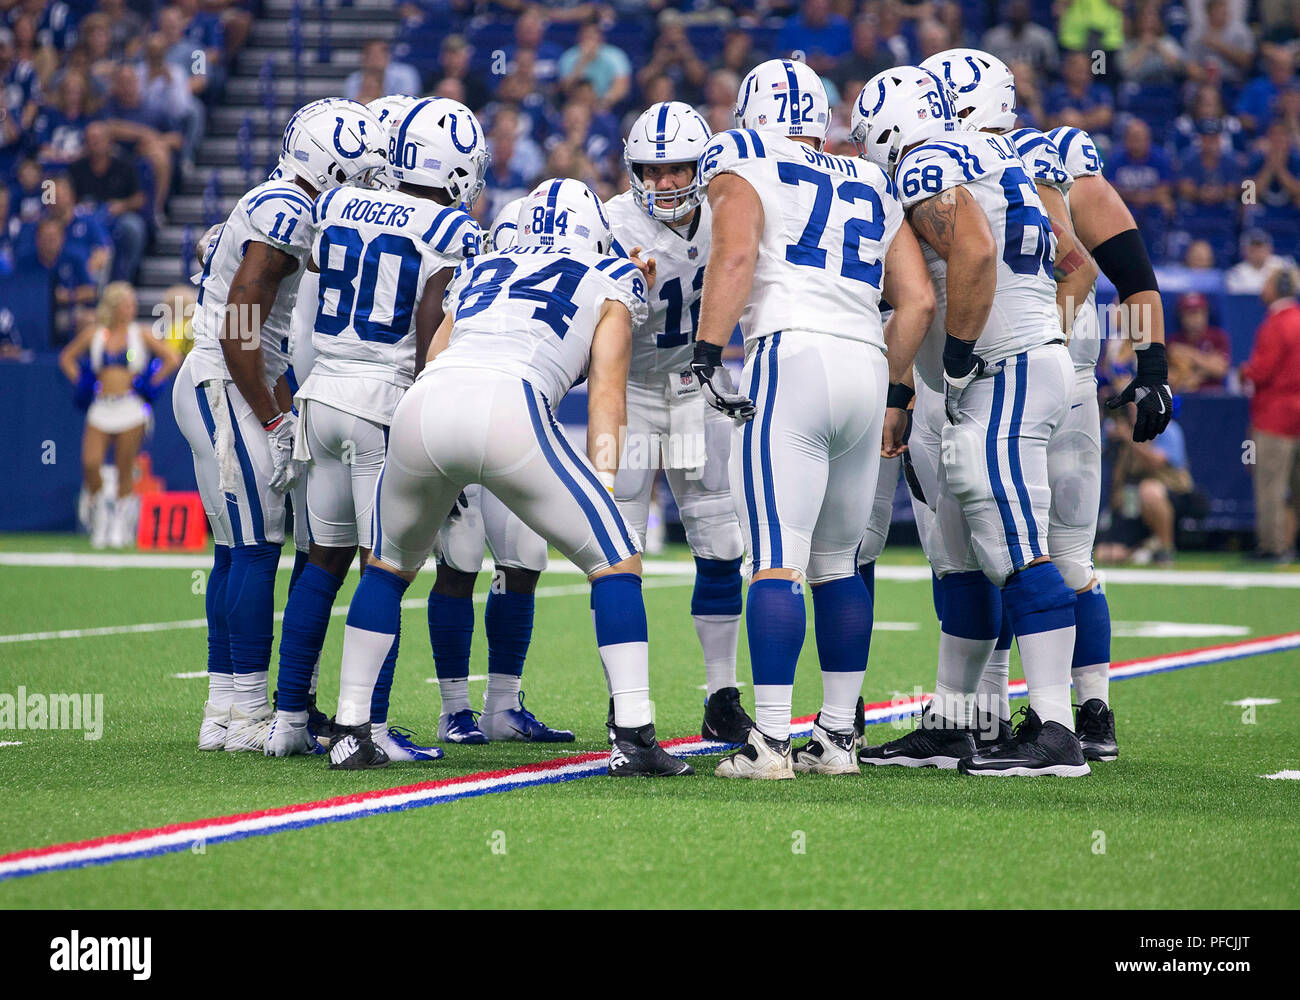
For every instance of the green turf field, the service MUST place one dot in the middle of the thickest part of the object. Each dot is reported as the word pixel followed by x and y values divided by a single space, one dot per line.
pixel 1184 816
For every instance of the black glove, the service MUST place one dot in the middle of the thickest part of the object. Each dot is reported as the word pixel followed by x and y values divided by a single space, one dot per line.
pixel 961 367
pixel 715 383
pixel 1150 390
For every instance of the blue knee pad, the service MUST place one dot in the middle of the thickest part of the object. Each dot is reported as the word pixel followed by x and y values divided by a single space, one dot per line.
pixel 1092 624
pixel 214 603
pixel 775 622
pixel 618 609
pixel 842 614
pixel 250 606
pixel 717 587
pixel 1037 600
pixel 972 606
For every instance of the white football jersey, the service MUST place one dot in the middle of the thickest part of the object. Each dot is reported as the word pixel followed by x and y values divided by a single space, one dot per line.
pixel 828 222
pixel 531 312
pixel 1024 303
pixel 665 341
pixel 376 250
pixel 1081 159
pixel 278 213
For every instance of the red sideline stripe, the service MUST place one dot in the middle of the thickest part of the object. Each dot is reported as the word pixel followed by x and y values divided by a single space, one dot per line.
pixel 541 766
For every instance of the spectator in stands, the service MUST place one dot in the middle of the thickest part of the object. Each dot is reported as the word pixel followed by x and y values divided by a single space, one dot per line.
pixel 1207 113
pixel 126 28
pixel 864 60
pixel 86 233
pixel 165 93
pixel 579 132
pixel 205 36
pixel 1199 354
pixel 454 58
pixel 1079 99
pixel 1222 48
pixel 398 77
pixel 1019 40
pixel 74 291
pixel 94 51
pixel 1256 104
pixel 1286 109
pixel 181 53
pixel 1199 256
pixel 504 181
pixel 1141 173
pixel 151 135
pixel 119 350
pixel 1275 171
pixel 1258 262
pixel 931 38
pixel 1151 56
pixel 530 31
pixel 1151 491
pixel 818 32
pixel 1279 21
pixel 20 98
pixel 1087 26
pixel 1211 177
pixel 526 158
pixel 606 67
pixel 27 192
pixel 522 90
pixel 60 127
pixel 27 49
pixel 890 30
pixel 738 53
pixel 104 178
pixel 720 97
pixel 674 56
pixel 1274 371
pixel 1029 97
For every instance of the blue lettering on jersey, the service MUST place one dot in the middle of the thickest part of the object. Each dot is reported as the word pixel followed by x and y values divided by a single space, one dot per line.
pixel 808 251
pixel 839 164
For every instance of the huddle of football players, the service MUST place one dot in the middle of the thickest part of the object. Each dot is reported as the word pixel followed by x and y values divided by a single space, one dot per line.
pixel 369 360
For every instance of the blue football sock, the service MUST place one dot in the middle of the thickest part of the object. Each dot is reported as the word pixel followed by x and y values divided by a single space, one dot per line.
pixel 250 603
pixel 716 603
pixel 508 620
pixel 300 559
pixel 972 618
pixel 384 683
pixel 302 634
pixel 451 632
pixel 622 637
pixel 1041 608
pixel 868 573
pixel 718 587
pixel 374 619
pixel 214 602
pixel 775 621
pixel 842 613
pixel 1090 669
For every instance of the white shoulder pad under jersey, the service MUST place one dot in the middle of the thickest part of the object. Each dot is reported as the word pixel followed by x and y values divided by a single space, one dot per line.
pixel 828 222
pixel 664 342
pixel 278 214
pixel 1041 158
pixel 1078 151
pixel 1081 159
pixel 531 312
pixel 1024 302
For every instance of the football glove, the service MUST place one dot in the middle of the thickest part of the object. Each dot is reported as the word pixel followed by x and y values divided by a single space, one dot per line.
pixel 961 367
pixel 1150 390
pixel 715 383
pixel 285 470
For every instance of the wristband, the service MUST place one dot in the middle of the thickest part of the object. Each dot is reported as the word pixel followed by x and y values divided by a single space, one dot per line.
pixel 606 479
pixel 1153 363
pixel 273 423
pixel 899 396
pixel 957 356
pixel 707 355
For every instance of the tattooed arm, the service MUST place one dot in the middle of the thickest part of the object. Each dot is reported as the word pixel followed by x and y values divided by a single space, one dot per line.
pixel 1074 268
pixel 958 230
pixel 252 294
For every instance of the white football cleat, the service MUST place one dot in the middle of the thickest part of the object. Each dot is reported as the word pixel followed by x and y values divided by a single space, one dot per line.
pixel 248 732
pixel 212 730
pixel 289 736
pixel 759 757
pixel 399 744
pixel 827 752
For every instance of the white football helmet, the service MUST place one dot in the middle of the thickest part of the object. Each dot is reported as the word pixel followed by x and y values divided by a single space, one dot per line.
pixel 505 227
pixel 332 142
pixel 785 96
pixel 564 213
pixel 669 132
pixel 439 143
pixel 390 108
pixel 982 86
pixel 899 108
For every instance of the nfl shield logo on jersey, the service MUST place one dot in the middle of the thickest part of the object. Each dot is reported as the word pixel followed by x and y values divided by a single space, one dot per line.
pixel 692 253
pixel 762 119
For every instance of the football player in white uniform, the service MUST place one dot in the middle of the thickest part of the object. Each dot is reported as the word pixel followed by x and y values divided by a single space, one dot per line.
pixel 519 555
pixel 668 424
pixel 226 405
pixel 802 245
pixel 383 258
pixel 522 326
pixel 991 250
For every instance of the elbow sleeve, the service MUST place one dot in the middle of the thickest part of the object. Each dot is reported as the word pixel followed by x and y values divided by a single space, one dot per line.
pixel 1123 259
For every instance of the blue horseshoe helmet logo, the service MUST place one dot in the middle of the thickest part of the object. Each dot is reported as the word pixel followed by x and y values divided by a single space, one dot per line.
pixel 455 141
pixel 338 134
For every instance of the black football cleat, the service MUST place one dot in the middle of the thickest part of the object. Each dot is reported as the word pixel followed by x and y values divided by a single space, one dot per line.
pixel 319 724
pixel 860 721
pixel 637 754
pixel 609 722
pixel 724 718
pixel 1037 748
pixel 935 742
pixel 352 749
pixel 1094 722
pixel 986 736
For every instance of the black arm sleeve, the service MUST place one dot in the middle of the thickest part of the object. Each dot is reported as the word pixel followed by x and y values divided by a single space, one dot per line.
pixel 1123 259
